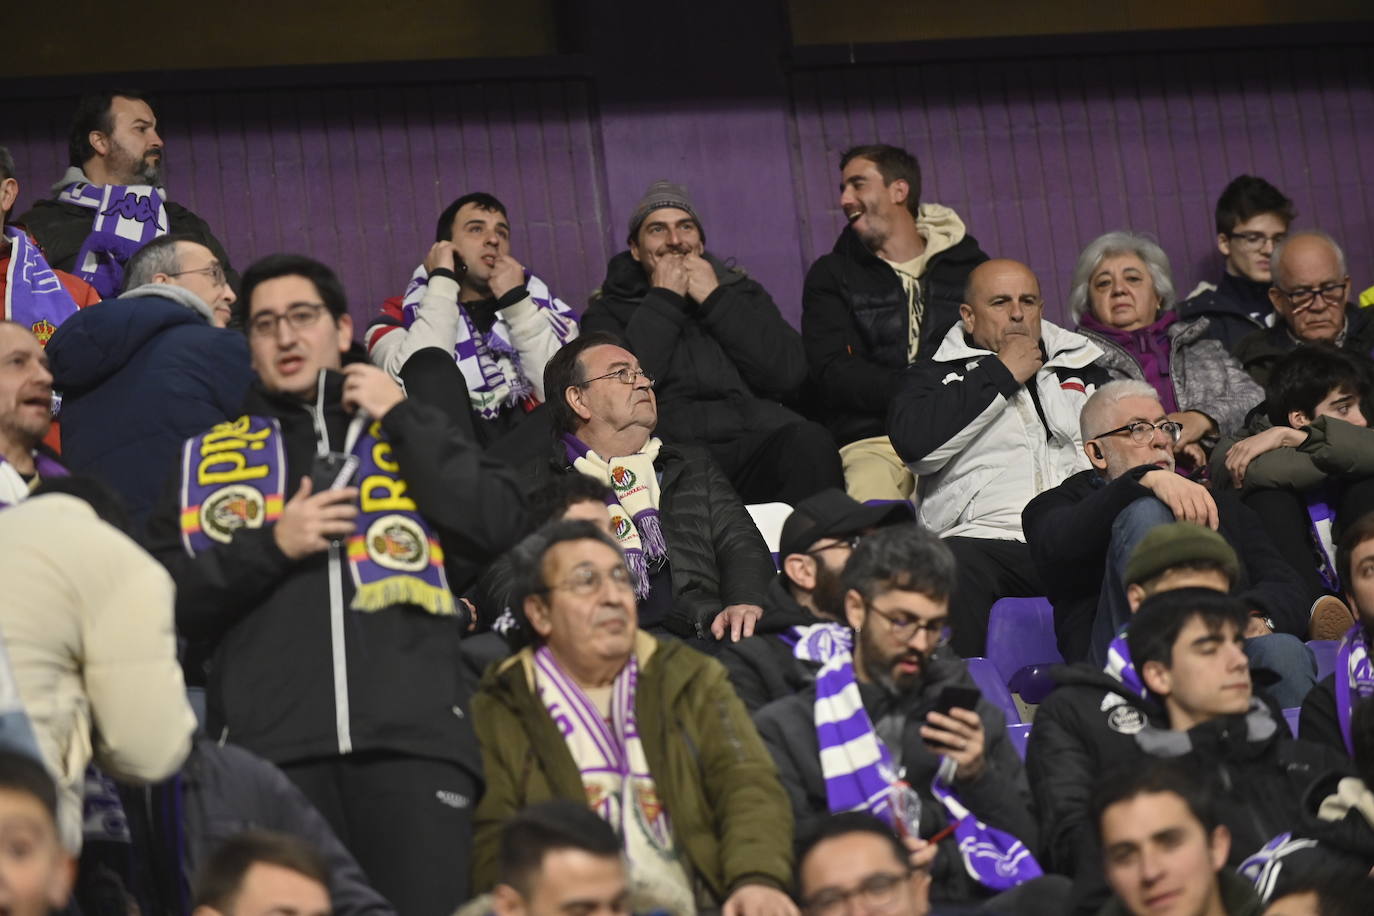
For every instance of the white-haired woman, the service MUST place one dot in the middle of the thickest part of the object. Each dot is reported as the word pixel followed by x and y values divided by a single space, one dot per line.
pixel 1123 299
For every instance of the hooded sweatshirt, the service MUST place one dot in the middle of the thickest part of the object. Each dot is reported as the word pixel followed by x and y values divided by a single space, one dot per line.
pixel 942 229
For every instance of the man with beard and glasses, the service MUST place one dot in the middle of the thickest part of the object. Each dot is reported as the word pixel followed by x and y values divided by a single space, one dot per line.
pixel 883 297
pixel 869 734
pixel 723 359
pixel 112 201
pixel 817 540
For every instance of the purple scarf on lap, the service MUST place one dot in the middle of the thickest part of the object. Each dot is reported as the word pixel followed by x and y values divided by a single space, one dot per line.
pixel 127 217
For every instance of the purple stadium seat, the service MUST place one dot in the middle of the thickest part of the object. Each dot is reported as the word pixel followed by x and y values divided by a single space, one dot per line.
pixel 1021 633
pixel 1324 651
pixel 990 682
pixel 1291 715
pixel 1019 735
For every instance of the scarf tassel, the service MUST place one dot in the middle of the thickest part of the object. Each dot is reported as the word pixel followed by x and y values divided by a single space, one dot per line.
pixel 650 527
pixel 377 596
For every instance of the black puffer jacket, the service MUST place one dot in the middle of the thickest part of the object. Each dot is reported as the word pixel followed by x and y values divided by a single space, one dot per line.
pixel 715 551
pixel 762 667
pixel 1258 352
pixel 855 325
pixel 719 367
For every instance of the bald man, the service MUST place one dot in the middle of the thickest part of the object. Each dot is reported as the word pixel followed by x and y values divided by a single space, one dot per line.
pixel 1310 294
pixel 987 423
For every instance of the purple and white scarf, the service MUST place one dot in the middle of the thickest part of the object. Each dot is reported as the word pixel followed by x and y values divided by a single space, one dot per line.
pixel 127 217
pixel 1354 678
pixel 15 489
pixel 34 296
pixel 490 362
pixel 1121 668
pixel 859 773
pixel 1321 515
pixel 1264 867
pixel 633 503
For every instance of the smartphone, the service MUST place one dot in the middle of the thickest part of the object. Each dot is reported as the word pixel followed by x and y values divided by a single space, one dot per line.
pixel 953 697
pixel 332 471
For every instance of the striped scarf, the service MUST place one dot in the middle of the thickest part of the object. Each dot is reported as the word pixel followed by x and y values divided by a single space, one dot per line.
pixel 127 217
pixel 633 503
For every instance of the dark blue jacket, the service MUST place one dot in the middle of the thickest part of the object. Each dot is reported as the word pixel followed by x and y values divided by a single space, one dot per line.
pixel 139 376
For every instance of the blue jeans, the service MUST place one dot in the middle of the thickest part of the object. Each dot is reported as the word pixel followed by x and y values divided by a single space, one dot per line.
pixel 1131 525
pixel 1289 658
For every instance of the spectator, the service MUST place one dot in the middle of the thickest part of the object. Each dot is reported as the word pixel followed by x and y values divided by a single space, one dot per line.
pixel 35 871
pixel 884 675
pixel 700 566
pixel 1253 217
pixel 111 201
pixel 603 714
pixel 26 405
pixel 1322 894
pixel 988 422
pixel 1123 299
pixel 1082 532
pixel 559 857
pixel 817 540
pixel 855 856
pixel 885 295
pixel 718 350
pixel 1163 843
pixel 144 372
pixel 263 874
pixel 1310 296
pixel 474 302
pixel 362 710
pixel 87 621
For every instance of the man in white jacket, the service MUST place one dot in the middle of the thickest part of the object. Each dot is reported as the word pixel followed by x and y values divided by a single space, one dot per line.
pixel 988 422
pixel 478 305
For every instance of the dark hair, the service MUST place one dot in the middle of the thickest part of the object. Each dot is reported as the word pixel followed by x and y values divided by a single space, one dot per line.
pixel 906 557
pixel 1341 891
pixel 1155 627
pixel 100 496
pixel 290 265
pixel 220 878
pixel 6 164
pixel 1247 197
pixel 1303 378
pixel 443 229
pixel 23 774
pixel 93 113
pixel 528 555
pixel 893 163
pixel 564 370
pixel 1361 530
pixel 549 502
pixel 547 827
pixel 1153 776
pixel 843 824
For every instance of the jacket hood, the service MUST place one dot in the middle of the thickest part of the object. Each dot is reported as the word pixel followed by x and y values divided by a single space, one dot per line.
pixel 100 339
pixel 1064 349
pixel 940 226
pixel 74 174
pixel 625 277
pixel 177 294
pixel 782 612
pixel 1236 737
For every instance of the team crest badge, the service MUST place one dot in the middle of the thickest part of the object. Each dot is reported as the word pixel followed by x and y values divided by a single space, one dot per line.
pixel 1126 720
pixel 622 477
pixel 621 526
pixel 43 329
pixel 397 542
pixel 231 508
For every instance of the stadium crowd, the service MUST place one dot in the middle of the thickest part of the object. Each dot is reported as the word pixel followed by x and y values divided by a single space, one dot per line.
pixel 662 605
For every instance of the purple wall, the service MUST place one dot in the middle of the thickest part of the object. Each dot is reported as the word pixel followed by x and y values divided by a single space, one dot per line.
pixel 1037 155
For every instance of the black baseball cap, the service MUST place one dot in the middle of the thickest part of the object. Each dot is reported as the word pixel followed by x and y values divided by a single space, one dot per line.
pixel 833 513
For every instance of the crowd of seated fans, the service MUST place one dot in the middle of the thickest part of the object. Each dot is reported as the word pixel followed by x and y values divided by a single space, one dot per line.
pixel 479 609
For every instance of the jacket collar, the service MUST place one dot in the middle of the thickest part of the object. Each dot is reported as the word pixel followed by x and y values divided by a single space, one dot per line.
pixel 178 294
pixel 1064 349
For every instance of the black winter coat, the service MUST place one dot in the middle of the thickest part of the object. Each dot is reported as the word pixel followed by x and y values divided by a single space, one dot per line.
pixel 1229 308
pixel 1318 721
pixel 719 367
pixel 1259 351
pixel 762 667
pixel 855 321
pixel 272 626
pixel 715 552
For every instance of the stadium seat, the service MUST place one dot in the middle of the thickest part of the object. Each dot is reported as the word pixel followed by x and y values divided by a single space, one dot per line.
pixel 1324 651
pixel 1021 634
pixel 1019 735
pixel 768 518
pixel 989 681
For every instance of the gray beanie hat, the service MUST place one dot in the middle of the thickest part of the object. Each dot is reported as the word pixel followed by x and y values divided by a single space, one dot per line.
pixel 663 193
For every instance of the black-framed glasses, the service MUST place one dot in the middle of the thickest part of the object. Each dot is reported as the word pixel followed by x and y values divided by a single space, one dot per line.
pixel 904 627
pixel 215 270
pixel 300 316
pixel 878 891
pixel 587 580
pixel 624 376
pixel 851 542
pixel 1254 241
pixel 1305 297
pixel 1142 431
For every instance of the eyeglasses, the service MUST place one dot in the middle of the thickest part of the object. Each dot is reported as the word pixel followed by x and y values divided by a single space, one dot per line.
pixel 215 270
pixel 1254 241
pixel 877 891
pixel 905 628
pixel 851 542
pixel 624 376
pixel 586 581
pixel 300 316
pixel 1305 297
pixel 1142 432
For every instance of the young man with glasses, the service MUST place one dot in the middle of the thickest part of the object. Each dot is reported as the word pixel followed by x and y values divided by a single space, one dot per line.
pixel 869 734
pixel 317 543
pixel 1310 294
pixel 1252 218
pixel 141 373
pixel 647 733
pixel 1082 532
